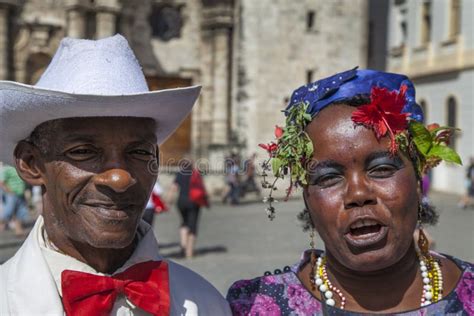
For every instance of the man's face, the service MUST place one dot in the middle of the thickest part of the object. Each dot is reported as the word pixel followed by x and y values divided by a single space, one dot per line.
pixel 97 178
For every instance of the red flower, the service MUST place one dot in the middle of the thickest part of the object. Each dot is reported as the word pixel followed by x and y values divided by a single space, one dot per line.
pixel 278 131
pixel 432 127
pixel 270 148
pixel 383 113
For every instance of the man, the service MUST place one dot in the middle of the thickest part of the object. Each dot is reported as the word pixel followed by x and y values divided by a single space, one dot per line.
pixel 15 208
pixel 87 134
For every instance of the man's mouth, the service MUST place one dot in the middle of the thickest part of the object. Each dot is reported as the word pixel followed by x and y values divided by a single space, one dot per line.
pixel 110 211
pixel 365 232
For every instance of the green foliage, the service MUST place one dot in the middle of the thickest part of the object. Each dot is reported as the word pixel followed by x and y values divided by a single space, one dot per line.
pixel 294 146
pixel 432 145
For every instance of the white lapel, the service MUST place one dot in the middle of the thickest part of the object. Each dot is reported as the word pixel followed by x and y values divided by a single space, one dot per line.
pixel 31 288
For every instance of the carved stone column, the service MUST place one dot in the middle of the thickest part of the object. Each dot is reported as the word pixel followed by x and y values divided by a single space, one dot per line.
pixel 106 16
pixel 76 19
pixel 216 27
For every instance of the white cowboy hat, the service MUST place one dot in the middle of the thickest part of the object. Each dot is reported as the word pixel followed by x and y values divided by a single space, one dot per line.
pixel 89 79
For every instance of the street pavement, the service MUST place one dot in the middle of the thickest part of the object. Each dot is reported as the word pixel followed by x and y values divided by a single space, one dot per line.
pixel 239 242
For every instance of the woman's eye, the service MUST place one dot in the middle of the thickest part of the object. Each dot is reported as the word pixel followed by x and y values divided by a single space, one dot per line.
pixel 327 180
pixel 383 171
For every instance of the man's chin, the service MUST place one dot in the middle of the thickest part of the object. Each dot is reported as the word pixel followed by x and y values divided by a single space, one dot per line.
pixel 112 241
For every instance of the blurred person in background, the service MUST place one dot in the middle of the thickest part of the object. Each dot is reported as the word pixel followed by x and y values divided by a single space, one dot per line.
pixel 232 180
pixel 467 199
pixel 426 186
pixel 15 210
pixel 249 184
pixel 192 195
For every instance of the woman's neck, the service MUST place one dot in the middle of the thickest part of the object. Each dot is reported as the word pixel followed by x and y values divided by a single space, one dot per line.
pixel 364 290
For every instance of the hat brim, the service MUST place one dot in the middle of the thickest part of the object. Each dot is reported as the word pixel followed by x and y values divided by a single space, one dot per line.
pixel 23 107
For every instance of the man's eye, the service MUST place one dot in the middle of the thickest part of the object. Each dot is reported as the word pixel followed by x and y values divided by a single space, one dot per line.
pixel 142 152
pixel 81 153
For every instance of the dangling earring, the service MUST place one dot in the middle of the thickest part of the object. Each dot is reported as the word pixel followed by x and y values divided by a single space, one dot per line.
pixel 313 260
pixel 423 243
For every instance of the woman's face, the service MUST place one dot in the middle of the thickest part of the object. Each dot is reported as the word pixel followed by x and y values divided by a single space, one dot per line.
pixel 363 201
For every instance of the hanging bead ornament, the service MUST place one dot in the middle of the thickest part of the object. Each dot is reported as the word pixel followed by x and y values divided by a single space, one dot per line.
pixel 432 280
pixel 325 286
pixel 430 272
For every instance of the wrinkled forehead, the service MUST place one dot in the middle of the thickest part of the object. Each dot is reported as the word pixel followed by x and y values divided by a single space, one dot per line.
pixel 98 127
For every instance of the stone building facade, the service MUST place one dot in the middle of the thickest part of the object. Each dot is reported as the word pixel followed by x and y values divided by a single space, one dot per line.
pixel 433 43
pixel 247 55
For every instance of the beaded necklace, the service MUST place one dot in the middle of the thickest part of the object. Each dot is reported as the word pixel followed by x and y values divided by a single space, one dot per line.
pixel 430 273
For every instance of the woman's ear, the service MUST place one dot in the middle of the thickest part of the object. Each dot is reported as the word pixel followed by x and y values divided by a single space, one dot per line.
pixel 28 163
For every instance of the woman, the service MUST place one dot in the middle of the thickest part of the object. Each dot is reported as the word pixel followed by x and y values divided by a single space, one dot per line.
pixel 192 196
pixel 355 144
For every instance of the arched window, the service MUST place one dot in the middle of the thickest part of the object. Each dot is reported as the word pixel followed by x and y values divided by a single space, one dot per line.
pixel 426 22
pixel 424 107
pixel 452 119
pixel 455 18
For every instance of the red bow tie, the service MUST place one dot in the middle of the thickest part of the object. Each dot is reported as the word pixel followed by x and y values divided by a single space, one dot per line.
pixel 145 284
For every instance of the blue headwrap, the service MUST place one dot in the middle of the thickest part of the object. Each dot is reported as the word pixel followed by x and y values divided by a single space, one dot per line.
pixel 348 84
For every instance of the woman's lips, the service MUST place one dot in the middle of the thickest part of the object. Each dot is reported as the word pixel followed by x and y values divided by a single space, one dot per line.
pixel 366 236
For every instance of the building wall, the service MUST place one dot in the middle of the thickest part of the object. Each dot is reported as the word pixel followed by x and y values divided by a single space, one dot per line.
pixel 248 55
pixel 181 54
pixel 276 50
pixel 440 68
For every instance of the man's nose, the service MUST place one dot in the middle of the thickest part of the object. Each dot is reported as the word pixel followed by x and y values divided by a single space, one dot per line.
pixel 118 180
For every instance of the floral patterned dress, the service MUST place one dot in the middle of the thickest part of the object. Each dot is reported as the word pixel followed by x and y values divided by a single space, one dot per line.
pixel 283 294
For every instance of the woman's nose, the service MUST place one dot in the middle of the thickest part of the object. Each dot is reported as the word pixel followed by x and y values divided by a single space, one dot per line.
pixel 359 192
pixel 118 180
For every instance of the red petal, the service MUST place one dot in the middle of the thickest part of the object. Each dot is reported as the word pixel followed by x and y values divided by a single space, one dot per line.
pixel 278 131
pixel 396 122
pixel 264 146
pixel 380 129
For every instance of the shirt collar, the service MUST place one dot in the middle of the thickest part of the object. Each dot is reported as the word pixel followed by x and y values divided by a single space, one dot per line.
pixel 146 250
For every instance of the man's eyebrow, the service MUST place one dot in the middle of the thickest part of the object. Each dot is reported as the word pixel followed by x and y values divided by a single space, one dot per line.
pixel 84 138
pixel 148 138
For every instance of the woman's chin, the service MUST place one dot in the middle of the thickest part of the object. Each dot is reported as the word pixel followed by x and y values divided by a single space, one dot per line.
pixel 370 260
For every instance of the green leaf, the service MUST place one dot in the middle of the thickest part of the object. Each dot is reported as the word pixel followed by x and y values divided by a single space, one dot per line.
pixel 446 153
pixel 309 149
pixel 276 165
pixel 421 137
pixel 307 117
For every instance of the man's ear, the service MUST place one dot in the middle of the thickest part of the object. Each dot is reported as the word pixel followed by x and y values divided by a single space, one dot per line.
pixel 158 154
pixel 28 163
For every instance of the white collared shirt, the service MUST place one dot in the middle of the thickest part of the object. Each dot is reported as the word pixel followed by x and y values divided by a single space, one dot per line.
pixel 58 262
